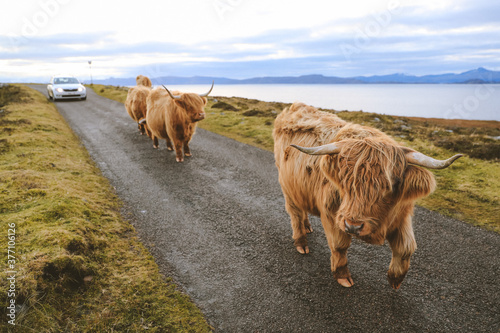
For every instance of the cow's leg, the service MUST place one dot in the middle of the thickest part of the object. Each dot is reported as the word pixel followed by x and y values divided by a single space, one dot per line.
pixel 155 142
pixel 339 242
pixel 187 151
pixel 179 157
pixel 141 129
pixel 307 225
pixel 169 144
pixel 298 220
pixel 403 245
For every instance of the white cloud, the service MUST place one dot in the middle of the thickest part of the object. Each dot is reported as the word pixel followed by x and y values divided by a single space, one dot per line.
pixel 252 47
pixel 206 35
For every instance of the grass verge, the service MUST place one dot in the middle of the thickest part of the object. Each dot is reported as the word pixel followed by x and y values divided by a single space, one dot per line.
pixel 115 93
pixel 79 265
pixel 469 190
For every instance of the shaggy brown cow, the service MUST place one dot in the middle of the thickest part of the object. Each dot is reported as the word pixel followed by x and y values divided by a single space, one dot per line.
pixel 135 104
pixel 357 179
pixel 142 80
pixel 173 117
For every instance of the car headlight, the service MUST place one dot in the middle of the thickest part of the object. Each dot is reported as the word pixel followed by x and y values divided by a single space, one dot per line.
pixel 59 89
pixel 81 89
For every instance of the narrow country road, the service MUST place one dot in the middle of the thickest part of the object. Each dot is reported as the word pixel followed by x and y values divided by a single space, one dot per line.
pixel 217 224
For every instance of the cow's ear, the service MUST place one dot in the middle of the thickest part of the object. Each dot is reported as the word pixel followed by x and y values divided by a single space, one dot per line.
pixel 418 183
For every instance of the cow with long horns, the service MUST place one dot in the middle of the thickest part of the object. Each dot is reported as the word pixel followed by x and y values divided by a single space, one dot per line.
pixel 360 182
pixel 173 116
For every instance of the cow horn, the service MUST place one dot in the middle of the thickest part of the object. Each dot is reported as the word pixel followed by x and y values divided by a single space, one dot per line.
pixel 205 95
pixel 142 121
pixel 420 159
pixel 331 148
pixel 173 97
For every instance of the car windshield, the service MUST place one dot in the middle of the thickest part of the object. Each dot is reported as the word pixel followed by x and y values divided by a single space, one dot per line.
pixel 65 80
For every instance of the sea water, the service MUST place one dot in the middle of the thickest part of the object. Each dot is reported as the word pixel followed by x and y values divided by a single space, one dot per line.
pixel 449 101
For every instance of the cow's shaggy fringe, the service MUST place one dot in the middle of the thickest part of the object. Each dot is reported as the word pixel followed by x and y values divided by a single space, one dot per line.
pixel 369 169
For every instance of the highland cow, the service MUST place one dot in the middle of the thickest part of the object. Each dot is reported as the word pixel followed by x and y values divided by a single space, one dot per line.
pixel 360 182
pixel 142 80
pixel 173 116
pixel 135 104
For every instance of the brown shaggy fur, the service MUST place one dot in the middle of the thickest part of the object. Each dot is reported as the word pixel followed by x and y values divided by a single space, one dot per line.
pixel 142 80
pixel 174 120
pixel 135 104
pixel 369 183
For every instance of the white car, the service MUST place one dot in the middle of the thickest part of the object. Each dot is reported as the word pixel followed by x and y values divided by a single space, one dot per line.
pixel 66 87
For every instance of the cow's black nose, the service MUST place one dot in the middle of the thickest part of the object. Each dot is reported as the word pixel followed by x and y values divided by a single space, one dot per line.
pixel 353 229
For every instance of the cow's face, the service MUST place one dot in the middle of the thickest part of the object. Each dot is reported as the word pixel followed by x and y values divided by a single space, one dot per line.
pixel 194 106
pixel 375 177
pixel 368 175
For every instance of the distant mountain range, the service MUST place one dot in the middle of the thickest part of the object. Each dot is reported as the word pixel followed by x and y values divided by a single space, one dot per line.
pixel 480 75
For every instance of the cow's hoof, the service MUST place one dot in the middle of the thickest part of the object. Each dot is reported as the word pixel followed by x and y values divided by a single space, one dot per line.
pixel 395 281
pixel 155 147
pixel 343 276
pixel 170 148
pixel 396 286
pixel 179 160
pixel 188 154
pixel 301 245
pixel 303 249
pixel 346 282
pixel 309 229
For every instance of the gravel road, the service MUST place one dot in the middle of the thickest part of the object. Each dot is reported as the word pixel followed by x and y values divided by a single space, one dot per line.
pixel 217 224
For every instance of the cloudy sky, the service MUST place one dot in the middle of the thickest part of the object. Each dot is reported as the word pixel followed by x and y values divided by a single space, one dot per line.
pixel 246 38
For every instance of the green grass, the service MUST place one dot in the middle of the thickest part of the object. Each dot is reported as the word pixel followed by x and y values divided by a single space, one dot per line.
pixel 118 94
pixel 468 190
pixel 80 266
